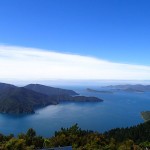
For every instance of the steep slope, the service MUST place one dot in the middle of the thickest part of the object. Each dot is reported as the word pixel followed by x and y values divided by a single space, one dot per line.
pixel 4 86
pixel 21 100
pixel 49 90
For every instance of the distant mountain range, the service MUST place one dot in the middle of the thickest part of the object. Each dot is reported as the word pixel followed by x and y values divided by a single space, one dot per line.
pixel 26 99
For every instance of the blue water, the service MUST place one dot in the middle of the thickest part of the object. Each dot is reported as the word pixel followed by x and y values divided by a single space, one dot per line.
pixel 120 109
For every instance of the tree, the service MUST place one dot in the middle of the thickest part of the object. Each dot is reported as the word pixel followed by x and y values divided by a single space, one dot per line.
pixel 31 133
pixel 30 136
pixel 15 144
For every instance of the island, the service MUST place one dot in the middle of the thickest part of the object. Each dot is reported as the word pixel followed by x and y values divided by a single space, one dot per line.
pixel 146 115
pixel 138 88
pixel 99 91
pixel 25 100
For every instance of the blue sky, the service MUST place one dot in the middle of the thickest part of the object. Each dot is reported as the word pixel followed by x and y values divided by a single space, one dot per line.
pixel 75 39
pixel 115 30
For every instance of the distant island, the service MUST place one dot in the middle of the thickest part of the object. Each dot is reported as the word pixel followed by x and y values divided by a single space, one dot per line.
pixel 139 88
pixel 20 100
pixel 99 91
pixel 146 115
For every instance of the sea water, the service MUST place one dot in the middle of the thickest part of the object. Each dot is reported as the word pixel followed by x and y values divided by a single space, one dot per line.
pixel 119 109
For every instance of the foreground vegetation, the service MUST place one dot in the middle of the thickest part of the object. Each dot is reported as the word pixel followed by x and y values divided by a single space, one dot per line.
pixel 133 138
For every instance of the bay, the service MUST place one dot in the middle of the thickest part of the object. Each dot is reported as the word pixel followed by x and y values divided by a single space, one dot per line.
pixel 120 109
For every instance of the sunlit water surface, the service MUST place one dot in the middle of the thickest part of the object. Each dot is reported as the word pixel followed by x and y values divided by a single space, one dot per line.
pixel 120 109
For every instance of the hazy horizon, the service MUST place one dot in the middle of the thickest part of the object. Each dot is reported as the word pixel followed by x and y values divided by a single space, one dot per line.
pixel 76 83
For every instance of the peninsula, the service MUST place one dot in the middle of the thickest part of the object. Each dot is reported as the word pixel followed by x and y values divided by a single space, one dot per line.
pixel 146 115
pixel 20 100
pixel 99 91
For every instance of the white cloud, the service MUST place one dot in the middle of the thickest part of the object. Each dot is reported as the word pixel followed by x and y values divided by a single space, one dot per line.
pixel 22 63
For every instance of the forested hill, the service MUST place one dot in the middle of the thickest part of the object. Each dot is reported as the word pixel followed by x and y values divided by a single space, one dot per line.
pixel 4 86
pixel 133 138
pixel 21 100
pixel 49 90
pixel 26 99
